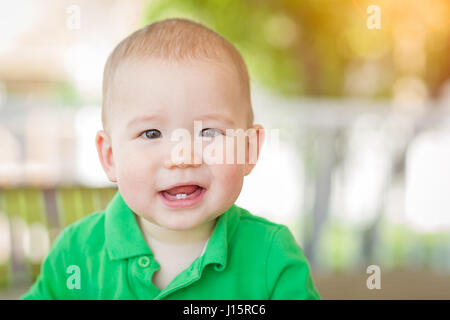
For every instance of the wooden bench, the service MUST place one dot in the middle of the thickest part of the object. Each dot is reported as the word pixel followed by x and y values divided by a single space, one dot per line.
pixel 31 218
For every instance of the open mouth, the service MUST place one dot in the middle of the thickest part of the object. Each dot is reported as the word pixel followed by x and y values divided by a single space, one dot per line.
pixel 182 196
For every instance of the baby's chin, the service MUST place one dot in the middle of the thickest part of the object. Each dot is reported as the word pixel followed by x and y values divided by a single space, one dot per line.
pixel 180 220
pixel 180 227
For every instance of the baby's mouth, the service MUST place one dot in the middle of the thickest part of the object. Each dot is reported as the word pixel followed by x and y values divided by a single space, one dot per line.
pixel 182 192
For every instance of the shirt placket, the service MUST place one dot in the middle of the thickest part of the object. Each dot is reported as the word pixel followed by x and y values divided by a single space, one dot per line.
pixel 141 270
pixel 184 279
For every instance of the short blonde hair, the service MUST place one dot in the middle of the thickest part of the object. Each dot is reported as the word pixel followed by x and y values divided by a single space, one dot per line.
pixel 175 39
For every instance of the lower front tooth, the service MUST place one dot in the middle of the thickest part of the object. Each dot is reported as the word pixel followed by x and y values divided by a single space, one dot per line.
pixel 181 195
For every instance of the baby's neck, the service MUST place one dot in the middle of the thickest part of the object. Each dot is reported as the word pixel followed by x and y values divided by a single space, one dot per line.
pixel 174 250
pixel 177 238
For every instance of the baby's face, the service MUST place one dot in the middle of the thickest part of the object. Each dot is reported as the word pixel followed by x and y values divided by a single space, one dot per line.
pixel 169 96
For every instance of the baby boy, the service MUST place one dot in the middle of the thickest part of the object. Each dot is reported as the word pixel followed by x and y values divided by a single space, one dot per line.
pixel 172 231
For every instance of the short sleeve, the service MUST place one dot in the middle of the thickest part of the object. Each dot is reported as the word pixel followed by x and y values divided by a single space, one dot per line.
pixel 288 273
pixel 52 275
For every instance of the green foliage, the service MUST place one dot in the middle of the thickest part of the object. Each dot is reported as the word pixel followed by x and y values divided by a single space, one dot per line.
pixel 67 94
pixel 249 26
pixel 306 47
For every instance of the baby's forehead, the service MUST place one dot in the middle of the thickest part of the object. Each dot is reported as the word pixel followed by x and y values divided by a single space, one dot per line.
pixel 133 64
pixel 165 92
pixel 204 75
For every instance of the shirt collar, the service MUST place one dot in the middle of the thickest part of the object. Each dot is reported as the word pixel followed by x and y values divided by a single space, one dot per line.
pixel 124 239
pixel 123 236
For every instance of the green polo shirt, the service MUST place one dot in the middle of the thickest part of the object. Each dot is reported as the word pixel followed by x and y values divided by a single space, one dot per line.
pixel 105 256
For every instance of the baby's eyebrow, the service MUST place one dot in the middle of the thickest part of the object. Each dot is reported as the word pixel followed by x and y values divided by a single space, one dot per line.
pixel 142 119
pixel 218 117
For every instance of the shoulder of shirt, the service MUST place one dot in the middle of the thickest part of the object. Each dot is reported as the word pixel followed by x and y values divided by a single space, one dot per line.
pixel 268 237
pixel 257 224
pixel 87 230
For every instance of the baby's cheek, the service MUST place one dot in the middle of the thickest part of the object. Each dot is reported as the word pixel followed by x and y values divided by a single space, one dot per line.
pixel 135 172
pixel 236 149
pixel 129 167
pixel 231 178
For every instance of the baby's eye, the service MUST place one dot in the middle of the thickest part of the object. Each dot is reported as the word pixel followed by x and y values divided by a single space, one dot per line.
pixel 211 132
pixel 152 134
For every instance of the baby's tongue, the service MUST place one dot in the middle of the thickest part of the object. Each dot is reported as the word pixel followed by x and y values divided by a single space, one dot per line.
pixel 182 189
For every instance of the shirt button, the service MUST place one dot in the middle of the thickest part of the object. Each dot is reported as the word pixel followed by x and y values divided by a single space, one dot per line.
pixel 144 261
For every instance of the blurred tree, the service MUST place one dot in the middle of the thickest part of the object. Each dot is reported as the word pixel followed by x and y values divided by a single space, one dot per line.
pixel 309 47
pixel 261 30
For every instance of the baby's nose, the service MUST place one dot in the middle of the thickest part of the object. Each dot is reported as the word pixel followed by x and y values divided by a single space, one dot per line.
pixel 184 157
pixel 169 164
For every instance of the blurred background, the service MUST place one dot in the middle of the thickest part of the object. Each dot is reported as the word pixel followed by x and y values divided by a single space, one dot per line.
pixel 354 95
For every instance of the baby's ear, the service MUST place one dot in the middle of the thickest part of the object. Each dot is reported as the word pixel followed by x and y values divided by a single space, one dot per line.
pixel 104 150
pixel 255 136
